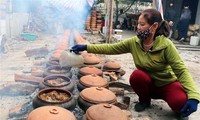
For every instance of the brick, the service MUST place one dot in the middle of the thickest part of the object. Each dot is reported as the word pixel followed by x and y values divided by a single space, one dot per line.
pixel 43 51
pixel 28 79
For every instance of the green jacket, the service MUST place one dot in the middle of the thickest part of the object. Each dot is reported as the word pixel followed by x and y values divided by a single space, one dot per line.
pixel 162 63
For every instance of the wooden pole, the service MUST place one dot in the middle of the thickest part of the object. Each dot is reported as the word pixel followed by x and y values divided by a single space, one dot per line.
pixel 154 3
pixel 109 21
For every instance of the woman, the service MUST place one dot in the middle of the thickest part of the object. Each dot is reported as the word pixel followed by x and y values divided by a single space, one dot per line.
pixel 171 17
pixel 161 73
pixel 184 23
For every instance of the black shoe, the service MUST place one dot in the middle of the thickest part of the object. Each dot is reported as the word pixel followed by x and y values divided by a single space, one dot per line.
pixel 179 117
pixel 141 106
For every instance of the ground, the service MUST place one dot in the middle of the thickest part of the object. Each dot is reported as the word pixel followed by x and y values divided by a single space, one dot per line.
pixel 15 61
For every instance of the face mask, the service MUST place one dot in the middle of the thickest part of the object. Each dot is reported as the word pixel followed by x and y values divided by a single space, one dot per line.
pixel 143 35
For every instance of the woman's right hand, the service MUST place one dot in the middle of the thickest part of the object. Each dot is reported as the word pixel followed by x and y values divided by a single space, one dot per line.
pixel 77 48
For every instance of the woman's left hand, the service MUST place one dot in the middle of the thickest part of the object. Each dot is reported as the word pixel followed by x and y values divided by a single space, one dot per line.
pixel 77 48
pixel 189 107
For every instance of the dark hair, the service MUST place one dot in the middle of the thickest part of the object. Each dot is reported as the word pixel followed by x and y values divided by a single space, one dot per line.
pixel 152 16
pixel 186 4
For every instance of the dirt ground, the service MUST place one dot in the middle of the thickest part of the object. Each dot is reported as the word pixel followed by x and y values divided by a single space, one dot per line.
pixel 15 61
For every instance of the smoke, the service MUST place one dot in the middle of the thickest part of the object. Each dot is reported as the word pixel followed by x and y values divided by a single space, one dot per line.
pixel 49 15
pixel 55 16
pixel 73 13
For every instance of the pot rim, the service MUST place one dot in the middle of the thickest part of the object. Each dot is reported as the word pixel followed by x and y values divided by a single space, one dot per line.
pixel 58 67
pixel 86 85
pixel 57 76
pixel 51 89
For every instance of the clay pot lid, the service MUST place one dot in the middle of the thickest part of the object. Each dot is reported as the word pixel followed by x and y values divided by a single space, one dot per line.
pixel 84 53
pixel 91 60
pixel 51 113
pixel 90 70
pixel 93 81
pixel 105 112
pixel 98 95
pixel 112 65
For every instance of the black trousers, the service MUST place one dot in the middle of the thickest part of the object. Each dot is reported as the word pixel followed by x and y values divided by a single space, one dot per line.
pixel 183 28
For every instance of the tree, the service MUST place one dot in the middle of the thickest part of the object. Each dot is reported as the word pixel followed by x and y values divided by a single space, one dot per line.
pixel 121 10
pixel 121 7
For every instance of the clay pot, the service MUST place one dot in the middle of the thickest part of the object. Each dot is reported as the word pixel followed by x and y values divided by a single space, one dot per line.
pixel 99 66
pixel 99 21
pixel 111 65
pixel 121 72
pixel 98 24
pixel 95 95
pixel 58 70
pixel 104 112
pixel 57 81
pixel 91 60
pixel 51 113
pixel 85 53
pixel 52 63
pixel 98 16
pixel 91 81
pixel 89 70
pixel 56 54
pixel 55 97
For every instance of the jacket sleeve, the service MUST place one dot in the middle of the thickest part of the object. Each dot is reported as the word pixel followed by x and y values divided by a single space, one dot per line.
pixel 182 72
pixel 110 49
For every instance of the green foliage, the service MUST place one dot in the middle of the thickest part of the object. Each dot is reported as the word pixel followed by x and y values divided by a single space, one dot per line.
pixel 99 1
pixel 127 1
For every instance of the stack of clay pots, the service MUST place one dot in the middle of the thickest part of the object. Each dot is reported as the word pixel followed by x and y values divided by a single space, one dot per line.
pixel 94 21
pixel 99 21
pixel 88 21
